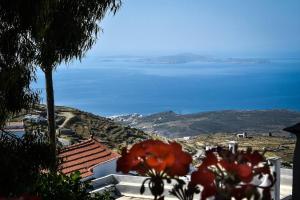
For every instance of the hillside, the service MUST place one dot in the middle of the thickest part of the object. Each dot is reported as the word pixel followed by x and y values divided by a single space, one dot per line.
pixel 173 125
pixel 75 125
pixel 275 146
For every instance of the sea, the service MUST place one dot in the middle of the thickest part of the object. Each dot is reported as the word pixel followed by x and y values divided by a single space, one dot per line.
pixel 119 86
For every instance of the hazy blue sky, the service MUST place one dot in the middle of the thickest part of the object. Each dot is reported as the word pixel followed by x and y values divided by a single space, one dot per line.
pixel 224 27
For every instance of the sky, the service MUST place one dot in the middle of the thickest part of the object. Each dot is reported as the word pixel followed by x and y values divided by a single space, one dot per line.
pixel 259 28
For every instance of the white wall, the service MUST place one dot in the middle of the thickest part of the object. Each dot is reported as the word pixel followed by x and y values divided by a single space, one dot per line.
pixel 105 169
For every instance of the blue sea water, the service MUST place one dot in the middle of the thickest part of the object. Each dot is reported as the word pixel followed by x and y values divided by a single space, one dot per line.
pixel 124 86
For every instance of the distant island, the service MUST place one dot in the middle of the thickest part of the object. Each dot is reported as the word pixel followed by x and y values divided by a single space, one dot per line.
pixel 189 57
pixel 184 58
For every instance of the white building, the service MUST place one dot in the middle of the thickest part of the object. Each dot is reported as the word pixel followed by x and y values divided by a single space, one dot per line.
pixel 242 135
pixel 35 118
pixel 91 158
pixel 15 128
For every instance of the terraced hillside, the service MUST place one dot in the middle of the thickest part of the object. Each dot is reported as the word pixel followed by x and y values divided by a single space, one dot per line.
pixel 274 146
pixel 76 125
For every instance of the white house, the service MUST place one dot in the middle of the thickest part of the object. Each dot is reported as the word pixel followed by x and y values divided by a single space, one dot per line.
pixel 91 158
pixel 242 135
pixel 16 128
pixel 233 146
pixel 35 118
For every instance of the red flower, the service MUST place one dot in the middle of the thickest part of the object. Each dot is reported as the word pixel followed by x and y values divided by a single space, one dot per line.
pixel 127 162
pixel 202 177
pixel 155 155
pixel 244 172
pixel 181 164
pixel 229 167
pixel 205 178
pixel 241 171
pixel 222 173
pixel 160 156
pixel 210 159
pixel 253 157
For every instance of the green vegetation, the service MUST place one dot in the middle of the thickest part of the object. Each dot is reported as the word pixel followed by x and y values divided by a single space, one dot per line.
pixel 21 162
pixel 24 169
pixel 16 65
pixel 40 34
pixel 51 186
pixel 44 34
pixel 84 124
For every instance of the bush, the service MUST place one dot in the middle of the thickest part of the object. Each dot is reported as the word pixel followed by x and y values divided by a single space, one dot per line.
pixel 59 186
pixel 21 161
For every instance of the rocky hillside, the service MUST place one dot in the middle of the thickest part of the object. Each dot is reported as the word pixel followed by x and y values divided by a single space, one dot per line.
pixel 74 125
pixel 171 124
pixel 274 146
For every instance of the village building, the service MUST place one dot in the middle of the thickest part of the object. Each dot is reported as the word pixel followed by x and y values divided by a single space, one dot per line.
pixel 15 128
pixel 35 118
pixel 242 135
pixel 233 146
pixel 65 131
pixel 91 158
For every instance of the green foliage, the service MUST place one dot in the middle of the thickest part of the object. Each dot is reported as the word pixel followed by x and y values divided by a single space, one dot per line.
pixel 21 162
pixel 59 186
pixel 16 62
pixel 55 31
pixel 15 93
pixel 23 165
pixel 106 195
pixel 58 30
pixel 43 33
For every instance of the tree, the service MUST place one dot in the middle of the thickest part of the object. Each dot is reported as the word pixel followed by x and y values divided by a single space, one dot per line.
pixel 16 62
pixel 60 186
pixel 66 29
pixel 22 159
pixel 50 32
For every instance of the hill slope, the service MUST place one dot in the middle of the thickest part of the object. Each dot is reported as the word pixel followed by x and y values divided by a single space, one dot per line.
pixel 76 125
pixel 171 124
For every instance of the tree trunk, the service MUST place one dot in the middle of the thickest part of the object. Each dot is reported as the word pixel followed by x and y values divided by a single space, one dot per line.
pixel 296 170
pixel 50 109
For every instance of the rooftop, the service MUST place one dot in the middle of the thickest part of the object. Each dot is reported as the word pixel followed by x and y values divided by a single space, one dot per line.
pixel 14 126
pixel 84 156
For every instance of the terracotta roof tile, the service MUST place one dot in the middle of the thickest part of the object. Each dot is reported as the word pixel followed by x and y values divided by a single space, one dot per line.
pixel 81 149
pixel 85 159
pixel 84 156
pixel 86 174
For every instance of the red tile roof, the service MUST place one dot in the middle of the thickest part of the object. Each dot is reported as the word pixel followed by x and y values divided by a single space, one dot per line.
pixel 84 156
